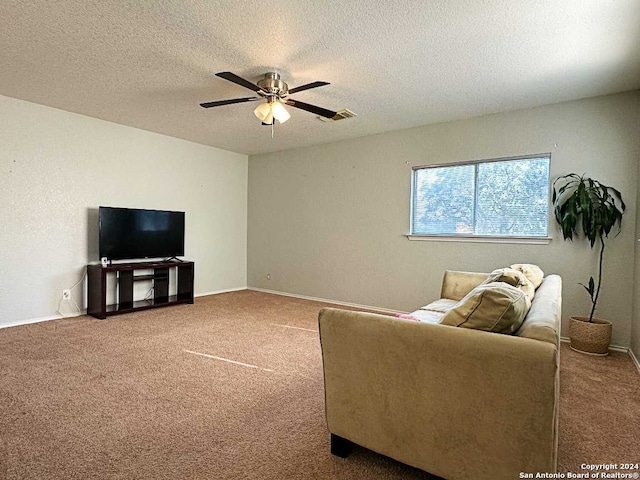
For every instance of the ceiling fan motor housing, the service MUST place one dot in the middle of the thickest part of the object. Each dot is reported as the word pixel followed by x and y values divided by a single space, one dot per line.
pixel 273 86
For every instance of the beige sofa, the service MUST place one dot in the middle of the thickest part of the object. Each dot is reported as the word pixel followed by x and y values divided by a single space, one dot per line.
pixel 456 402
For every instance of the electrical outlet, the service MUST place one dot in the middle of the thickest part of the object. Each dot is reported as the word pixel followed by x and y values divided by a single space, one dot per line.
pixel 66 294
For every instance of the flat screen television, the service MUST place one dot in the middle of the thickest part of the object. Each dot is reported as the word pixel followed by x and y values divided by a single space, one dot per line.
pixel 129 233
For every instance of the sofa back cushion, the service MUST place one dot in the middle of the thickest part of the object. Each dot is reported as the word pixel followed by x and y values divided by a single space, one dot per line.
pixel 455 285
pixel 493 307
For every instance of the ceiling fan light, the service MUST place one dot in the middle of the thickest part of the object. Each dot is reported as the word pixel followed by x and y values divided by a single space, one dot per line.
pixel 279 112
pixel 263 111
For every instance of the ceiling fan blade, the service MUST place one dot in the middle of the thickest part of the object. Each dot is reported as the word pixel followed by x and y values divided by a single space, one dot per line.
pixel 229 102
pixel 323 112
pixel 308 86
pixel 232 77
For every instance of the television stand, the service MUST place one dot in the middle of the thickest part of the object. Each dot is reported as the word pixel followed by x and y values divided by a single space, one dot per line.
pixel 125 277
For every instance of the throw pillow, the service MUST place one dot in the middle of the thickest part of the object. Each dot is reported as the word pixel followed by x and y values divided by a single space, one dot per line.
pixel 493 307
pixel 513 277
pixel 533 272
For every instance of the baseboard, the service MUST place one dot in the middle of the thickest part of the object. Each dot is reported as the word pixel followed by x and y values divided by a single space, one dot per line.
pixel 325 300
pixel 216 292
pixel 635 360
pixel 28 321
pixel 615 348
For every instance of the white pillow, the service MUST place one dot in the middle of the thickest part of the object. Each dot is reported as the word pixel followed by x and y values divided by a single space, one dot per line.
pixel 533 272
pixel 513 277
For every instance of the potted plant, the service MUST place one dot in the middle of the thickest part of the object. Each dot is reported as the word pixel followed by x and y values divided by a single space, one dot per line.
pixel 583 205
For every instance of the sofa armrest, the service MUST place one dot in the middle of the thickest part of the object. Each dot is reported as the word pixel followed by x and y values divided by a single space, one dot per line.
pixel 454 402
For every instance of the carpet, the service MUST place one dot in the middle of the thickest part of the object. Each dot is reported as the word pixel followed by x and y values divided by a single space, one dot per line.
pixel 229 388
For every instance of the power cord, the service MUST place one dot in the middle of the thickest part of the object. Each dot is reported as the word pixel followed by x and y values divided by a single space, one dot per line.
pixel 149 294
pixel 79 310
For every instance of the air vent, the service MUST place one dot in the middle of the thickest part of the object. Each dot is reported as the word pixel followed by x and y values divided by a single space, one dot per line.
pixel 340 115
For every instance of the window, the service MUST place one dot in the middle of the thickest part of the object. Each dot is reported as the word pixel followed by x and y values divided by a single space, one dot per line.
pixel 501 198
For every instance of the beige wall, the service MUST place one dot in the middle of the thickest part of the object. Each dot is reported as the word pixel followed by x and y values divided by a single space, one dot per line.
pixel 328 221
pixel 56 168
pixel 635 327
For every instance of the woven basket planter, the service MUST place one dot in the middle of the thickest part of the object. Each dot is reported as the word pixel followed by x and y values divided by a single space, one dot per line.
pixel 590 337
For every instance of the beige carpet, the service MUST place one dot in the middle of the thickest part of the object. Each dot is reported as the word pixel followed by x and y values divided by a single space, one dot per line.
pixel 150 395
pixel 599 410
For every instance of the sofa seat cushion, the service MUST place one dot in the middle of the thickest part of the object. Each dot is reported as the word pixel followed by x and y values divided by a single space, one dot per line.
pixel 442 305
pixel 431 313
pixel 493 307
pixel 424 316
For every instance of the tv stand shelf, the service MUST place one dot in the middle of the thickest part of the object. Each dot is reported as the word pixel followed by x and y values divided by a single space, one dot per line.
pixel 124 274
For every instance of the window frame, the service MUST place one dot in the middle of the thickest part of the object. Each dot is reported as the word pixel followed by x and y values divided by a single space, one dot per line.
pixel 466 237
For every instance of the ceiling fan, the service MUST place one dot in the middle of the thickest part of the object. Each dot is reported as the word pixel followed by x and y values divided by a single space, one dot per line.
pixel 275 91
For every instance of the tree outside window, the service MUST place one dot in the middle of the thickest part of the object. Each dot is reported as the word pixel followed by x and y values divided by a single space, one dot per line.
pixel 507 197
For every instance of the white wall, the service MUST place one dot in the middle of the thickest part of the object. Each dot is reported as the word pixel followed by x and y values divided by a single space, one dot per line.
pixel 328 221
pixel 57 167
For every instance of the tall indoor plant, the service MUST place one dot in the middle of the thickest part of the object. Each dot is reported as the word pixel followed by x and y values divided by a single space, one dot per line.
pixel 583 205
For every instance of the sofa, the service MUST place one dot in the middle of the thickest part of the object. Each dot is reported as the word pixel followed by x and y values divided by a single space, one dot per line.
pixel 456 402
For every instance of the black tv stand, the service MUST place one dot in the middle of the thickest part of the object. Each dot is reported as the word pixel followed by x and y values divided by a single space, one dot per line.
pixel 125 278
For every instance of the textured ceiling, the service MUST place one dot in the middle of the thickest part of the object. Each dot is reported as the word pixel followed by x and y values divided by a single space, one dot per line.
pixel 396 63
